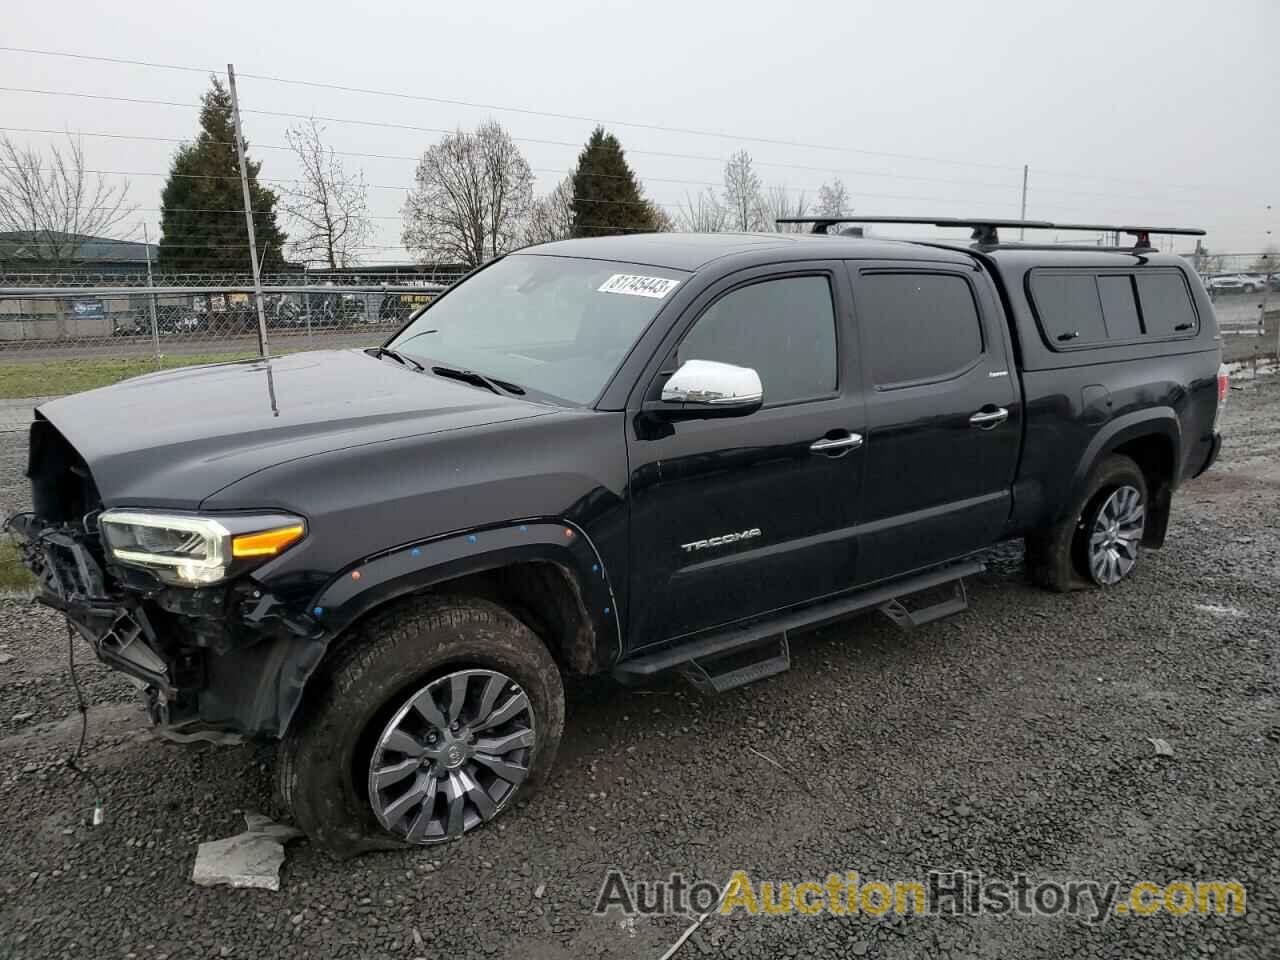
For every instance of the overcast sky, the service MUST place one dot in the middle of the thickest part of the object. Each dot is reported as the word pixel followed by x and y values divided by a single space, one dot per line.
pixel 1158 112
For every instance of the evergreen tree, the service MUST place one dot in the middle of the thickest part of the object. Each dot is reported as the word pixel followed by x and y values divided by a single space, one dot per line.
pixel 202 224
pixel 607 197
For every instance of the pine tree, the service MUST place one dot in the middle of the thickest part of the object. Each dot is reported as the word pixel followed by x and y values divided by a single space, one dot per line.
pixel 607 197
pixel 202 226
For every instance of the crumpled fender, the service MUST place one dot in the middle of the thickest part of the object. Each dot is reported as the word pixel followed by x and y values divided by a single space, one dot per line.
pixel 415 566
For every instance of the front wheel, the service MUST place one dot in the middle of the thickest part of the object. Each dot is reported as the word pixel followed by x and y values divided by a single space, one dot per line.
pixel 432 718
pixel 1098 544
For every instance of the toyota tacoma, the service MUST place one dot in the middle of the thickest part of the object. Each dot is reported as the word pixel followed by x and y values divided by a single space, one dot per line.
pixel 622 455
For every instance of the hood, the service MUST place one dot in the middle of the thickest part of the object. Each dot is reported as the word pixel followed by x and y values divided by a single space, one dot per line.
pixel 173 438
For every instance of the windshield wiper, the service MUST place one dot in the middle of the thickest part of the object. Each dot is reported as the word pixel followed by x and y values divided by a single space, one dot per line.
pixel 479 379
pixel 398 357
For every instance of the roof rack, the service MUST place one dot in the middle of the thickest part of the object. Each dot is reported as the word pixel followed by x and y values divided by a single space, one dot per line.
pixel 985 231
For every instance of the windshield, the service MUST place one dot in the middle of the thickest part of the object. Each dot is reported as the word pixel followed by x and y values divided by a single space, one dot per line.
pixel 557 325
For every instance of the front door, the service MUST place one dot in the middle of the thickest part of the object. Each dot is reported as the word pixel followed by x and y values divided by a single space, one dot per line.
pixel 735 517
pixel 944 420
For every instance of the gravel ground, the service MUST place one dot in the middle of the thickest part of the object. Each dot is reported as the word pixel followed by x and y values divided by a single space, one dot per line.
pixel 1011 738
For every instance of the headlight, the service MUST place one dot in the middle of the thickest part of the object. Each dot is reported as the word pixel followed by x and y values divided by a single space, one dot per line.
pixel 191 550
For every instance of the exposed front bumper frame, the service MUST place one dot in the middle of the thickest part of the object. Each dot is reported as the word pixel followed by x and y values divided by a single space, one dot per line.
pixel 72 582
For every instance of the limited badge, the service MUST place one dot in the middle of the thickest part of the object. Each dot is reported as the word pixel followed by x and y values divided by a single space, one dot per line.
pixel 634 285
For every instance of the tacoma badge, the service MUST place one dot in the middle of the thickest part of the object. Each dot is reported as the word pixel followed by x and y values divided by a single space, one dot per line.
pixel 721 540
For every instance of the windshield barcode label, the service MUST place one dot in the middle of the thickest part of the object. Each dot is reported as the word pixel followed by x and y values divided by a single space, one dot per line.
pixel 634 285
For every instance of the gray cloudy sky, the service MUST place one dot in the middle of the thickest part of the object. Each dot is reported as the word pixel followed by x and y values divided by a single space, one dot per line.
pixel 1161 112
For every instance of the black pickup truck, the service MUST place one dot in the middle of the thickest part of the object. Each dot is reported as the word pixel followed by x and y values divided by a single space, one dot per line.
pixel 625 455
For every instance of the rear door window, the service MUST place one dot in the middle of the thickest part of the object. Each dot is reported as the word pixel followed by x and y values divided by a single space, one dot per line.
pixel 917 326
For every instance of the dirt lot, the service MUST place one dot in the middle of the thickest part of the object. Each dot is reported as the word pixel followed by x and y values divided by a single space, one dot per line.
pixel 1013 738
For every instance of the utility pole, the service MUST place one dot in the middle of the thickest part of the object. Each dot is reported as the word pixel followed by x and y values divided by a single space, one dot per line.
pixel 155 329
pixel 263 348
pixel 1266 295
pixel 1022 231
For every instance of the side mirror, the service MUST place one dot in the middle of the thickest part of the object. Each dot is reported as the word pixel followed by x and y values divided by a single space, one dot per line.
pixel 704 388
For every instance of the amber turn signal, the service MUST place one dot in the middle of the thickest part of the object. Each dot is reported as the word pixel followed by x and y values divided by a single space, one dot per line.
pixel 268 543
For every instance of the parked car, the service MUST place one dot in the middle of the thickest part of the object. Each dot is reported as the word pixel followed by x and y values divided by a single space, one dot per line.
pixel 129 325
pixel 281 311
pixel 1234 283
pixel 620 455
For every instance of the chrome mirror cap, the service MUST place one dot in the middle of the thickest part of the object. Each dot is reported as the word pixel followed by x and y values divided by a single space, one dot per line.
pixel 713 384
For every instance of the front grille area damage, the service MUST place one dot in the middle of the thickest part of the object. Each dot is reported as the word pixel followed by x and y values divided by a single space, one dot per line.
pixel 62 489
pixel 218 658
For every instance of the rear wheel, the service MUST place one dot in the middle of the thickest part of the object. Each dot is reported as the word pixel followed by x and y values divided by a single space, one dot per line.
pixel 432 718
pixel 1098 543
pixel 1110 533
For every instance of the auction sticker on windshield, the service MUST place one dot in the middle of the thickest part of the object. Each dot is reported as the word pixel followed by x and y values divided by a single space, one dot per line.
pixel 634 285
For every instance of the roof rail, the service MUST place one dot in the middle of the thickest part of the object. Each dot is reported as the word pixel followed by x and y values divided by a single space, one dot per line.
pixel 985 230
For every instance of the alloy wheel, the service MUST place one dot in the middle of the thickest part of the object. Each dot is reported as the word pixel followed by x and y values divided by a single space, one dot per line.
pixel 452 756
pixel 1115 535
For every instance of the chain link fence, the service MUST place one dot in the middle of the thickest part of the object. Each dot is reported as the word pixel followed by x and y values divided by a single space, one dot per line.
pixel 1245 290
pixel 83 315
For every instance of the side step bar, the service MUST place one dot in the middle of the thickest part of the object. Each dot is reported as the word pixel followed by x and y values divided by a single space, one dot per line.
pixel 736 639
pixel 720 673
pixel 906 618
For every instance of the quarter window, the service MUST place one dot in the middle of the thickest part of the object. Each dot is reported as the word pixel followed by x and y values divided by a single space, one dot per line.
pixel 1090 309
pixel 917 326
pixel 1166 306
pixel 1069 308
pixel 784 329
pixel 1119 307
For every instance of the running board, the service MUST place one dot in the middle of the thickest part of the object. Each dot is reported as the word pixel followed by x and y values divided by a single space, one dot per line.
pixel 740 637
pixel 717 674
pixel 905 618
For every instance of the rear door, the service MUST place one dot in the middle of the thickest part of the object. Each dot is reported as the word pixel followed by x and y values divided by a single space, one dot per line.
pixel 944 418
pixel 736 517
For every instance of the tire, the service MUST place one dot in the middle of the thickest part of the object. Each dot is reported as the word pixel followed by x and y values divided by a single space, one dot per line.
pixel 423 649
pixel 1060 557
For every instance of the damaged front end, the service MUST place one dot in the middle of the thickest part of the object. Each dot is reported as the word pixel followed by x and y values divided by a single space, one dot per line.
pixel 166 598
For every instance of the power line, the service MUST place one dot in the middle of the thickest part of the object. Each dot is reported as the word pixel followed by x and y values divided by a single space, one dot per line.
pixel 556 170
pixel 548 114
pixel 414 159
pixel 687 131
pixel 557 143
pixel 403 189
pixel 855 194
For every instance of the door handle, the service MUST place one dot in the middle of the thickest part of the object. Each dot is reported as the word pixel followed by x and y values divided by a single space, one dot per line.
pixel 837 446
pixel 986 419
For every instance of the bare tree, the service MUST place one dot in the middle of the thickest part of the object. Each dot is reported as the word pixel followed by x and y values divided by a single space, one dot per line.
pixel 54 202
pixel 663 222
pixel 327 207
pixel 833 200
pixel 471 197
pixel 777 202
pixel 742 193
pixel 702 214
pixel 551 217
